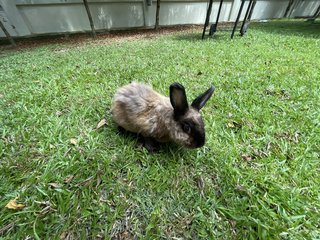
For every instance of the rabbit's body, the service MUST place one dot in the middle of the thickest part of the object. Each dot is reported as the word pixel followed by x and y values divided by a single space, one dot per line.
pixel 139 109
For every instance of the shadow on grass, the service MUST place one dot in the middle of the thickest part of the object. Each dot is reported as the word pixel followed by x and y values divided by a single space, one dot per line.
pixel 139 142
pixel 303 28
pixel 286 27
pixel 195 37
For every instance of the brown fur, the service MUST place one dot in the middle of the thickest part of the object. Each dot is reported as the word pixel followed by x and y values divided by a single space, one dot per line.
pixel 139 109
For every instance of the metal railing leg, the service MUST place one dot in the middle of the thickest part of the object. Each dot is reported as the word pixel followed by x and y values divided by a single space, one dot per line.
pixel 244 23
pixel 213 27
pixel 237 20
pixel 206 23
pixel 7 34
pixel 218 16
pixel 90 18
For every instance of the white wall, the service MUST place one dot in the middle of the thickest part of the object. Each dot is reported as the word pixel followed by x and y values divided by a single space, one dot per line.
pixel 34 17
pixel 270 10
pixel 305 8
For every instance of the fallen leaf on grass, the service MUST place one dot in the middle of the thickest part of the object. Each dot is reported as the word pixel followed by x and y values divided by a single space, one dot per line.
pixel 234 124
pixel 67 236
pixel 99 180
pixel 260 153
pixel 67 152
pixel 58 113
pixel 12 204
pixel 45 210
pixel 6 228
pixel 246 157
pixel 45 207
pixel 101 123
pixel 200 183
pixel 54 185
pixel 68 179
pixel 73 141
pixel 288 136
pixel 86 182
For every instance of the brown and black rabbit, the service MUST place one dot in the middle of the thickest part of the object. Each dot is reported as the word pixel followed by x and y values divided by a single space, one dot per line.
pixel 137 108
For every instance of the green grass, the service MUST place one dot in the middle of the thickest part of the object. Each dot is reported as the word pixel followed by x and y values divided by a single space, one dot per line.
pixel 257 177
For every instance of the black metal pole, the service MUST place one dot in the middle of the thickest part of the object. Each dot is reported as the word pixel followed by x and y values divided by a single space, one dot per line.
pixel 288 8
pixel 237 20
pixel 90 18
pixel 206 23
pixel 7 34
pixel 213 27
pixel 218 16
pixel 251 10
pixel 246 16
pixel 316 14
pixel 156 26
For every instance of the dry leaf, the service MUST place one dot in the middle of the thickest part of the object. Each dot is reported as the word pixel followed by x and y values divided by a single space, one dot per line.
pixel 246 157
pixel 68 179
pixel 58 113
pixel 12 204
pixel 66 153
pixel 99 181
pixel 234 124
pixel 101 123
pixel 67 236
pixel 73 141
pixel 54 185
pixel 6 228
pixel 85 182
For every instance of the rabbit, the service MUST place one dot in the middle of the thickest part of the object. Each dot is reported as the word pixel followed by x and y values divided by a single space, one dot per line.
pixel 137 108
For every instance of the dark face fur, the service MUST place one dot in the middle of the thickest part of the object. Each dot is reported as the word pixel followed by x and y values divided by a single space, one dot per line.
pixel 193 125
pixel 188 118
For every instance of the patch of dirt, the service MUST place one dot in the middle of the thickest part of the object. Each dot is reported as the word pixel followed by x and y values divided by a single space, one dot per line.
pixel 109 37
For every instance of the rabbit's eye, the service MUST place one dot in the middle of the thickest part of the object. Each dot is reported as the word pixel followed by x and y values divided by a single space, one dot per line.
pixel 186 128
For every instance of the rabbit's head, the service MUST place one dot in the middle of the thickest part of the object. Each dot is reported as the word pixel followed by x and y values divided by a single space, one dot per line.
pixel 188 129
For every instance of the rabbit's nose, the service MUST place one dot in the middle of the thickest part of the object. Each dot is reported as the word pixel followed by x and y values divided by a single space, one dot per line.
pixel 199 142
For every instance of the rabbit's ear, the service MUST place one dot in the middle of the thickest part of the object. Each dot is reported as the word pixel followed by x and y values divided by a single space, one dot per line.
pixel 201 100
pixel 178 99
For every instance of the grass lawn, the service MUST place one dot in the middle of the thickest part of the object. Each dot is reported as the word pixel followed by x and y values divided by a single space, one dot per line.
pixel 257 177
